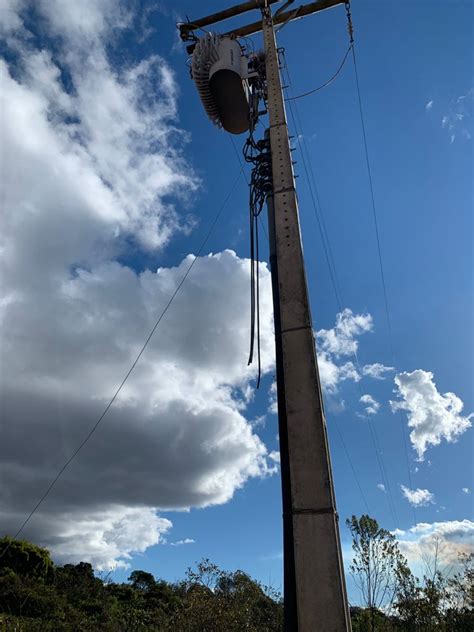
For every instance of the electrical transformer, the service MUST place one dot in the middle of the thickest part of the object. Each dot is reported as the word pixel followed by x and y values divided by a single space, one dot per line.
pixel 220 71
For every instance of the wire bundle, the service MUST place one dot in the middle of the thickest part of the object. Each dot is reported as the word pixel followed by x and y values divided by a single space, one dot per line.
pixel 258 154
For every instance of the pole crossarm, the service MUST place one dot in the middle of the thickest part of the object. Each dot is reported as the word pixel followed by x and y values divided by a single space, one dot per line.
pixel 186 28
pixel 280 18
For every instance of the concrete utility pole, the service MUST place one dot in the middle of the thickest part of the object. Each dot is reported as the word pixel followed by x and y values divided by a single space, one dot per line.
pixel 315 597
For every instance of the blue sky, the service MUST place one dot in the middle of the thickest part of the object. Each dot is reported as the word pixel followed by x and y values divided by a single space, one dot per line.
pixel 125 176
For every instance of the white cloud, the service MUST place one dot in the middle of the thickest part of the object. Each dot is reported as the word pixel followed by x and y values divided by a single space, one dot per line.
pixel 105 167
pixel 9 16
pixel 332 345
pixel 376 371
pixel 372 406
pixel 429 105
pixel 466 490
pixel 431 415
pixel 177 437
pixel 444 539
pixel 272 399
pixel 418 497
pixel 108 537
pixel 458 120
pixel 341 340
pixel 183 542
pixel 381 486
pixel 274 456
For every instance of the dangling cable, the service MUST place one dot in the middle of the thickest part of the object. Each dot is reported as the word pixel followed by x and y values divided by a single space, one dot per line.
pixel 252 280
pixel 257 301
pixel 258 154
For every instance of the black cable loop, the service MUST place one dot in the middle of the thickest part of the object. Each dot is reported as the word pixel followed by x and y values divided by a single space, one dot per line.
pixel 329 81
pixel 256 153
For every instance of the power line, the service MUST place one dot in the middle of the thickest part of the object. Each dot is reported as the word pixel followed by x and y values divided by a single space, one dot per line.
pixel 326 83
pixel 127 375
pixel 341 438
pixel 333 274
pixel 379 251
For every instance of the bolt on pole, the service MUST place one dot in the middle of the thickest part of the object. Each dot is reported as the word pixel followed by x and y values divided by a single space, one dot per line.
pixel 315 596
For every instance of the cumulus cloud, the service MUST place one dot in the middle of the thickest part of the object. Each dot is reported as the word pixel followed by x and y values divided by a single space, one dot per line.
pixel 332 345
pixel 372 406
pixel 444 539
pixel 272 399
pixel 381 487
pixel 102 154
pixel 107 536
pixel 341 340
pixel 429 105
pixel 337 342
pixel 418 497
pixel 183 542
pixel 274 456
pixel 376 371
pixel 177 437
pixel 431 415
pixel 466 490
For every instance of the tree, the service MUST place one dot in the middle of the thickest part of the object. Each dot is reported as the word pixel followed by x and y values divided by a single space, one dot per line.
pixel 25 559
pixel 377 566
pixel 440 601
pixel 141 580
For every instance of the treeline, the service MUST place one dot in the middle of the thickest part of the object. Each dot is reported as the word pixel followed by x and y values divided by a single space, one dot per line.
pixel 37 595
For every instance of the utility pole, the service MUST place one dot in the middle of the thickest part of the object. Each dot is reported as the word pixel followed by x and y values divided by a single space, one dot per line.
pixel 315 597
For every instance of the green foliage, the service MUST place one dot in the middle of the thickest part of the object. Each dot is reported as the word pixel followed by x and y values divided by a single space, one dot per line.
pixel 438 602
pixel 214 600
pixel 377 566
pixel 25 559
pixel 394 598
pixel 35 595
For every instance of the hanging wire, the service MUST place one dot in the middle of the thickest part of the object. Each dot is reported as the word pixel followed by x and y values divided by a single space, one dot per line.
pixel 332 269
pixel 327 83
pixel 129 372
pixel 258 154
pixel 377 234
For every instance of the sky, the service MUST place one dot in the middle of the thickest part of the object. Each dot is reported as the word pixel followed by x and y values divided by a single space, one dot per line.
pixel 111 178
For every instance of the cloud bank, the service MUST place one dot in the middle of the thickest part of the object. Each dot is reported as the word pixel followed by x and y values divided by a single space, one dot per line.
pixel 99 145
pixel 445 539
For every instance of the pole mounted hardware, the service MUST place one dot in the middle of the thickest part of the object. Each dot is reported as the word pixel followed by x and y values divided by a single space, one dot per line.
pixel 233 83
pixel 186 29
pixel 224 75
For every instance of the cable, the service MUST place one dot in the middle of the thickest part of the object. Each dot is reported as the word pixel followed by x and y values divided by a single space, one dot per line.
pixel 315 199
pixel 356 478
pixel 327 83
pixel 379 251
pixel 333 274
pixel 135 362
pixel 244 176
